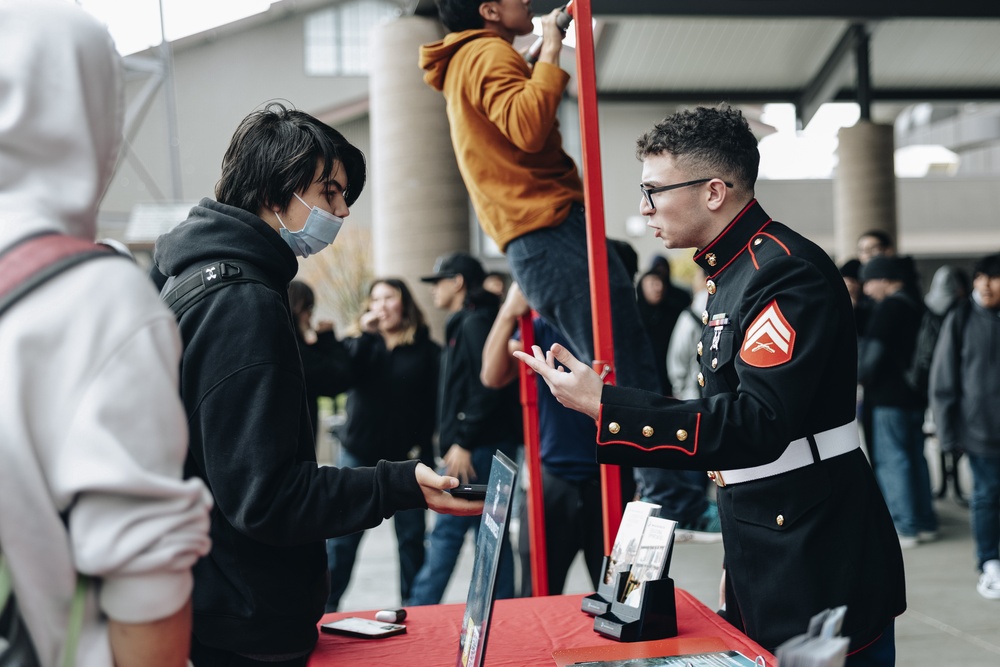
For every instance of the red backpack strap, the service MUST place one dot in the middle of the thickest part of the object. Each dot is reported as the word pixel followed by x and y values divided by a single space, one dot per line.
pixel 33 260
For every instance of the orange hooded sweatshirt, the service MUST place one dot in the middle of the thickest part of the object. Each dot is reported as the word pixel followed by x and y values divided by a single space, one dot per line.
pixel 505 133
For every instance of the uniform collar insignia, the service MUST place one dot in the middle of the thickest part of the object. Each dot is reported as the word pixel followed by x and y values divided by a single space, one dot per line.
pixel 733 240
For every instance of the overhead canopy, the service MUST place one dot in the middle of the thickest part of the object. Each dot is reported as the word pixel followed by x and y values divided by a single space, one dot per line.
pixel 805 53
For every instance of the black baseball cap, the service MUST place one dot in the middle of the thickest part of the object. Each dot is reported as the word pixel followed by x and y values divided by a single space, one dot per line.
pixel 988 266
pixel 459 263
pixel 884 267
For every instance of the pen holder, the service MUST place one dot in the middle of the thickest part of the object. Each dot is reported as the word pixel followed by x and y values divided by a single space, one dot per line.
pixel 654 618
pixel 599 603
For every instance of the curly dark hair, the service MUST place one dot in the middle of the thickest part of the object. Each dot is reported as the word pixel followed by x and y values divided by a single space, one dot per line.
pixel 459 15
pixel 274 153
pixel 711 142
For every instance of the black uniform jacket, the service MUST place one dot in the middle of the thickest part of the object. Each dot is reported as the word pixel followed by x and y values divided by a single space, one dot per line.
pixel 778 363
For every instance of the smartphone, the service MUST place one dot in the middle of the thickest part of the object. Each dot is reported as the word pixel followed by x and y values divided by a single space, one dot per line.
pixel 469 491
pixel 364 628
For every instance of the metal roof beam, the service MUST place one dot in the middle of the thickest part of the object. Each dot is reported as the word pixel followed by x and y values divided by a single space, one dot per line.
pixel 791 95
pixel 831 75
pixel 853 10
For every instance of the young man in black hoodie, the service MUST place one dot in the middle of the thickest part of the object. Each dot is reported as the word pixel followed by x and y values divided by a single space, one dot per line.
pixel 287 182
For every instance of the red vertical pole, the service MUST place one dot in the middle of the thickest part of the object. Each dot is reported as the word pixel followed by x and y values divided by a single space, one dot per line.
pixel 532 455
pixel 593 192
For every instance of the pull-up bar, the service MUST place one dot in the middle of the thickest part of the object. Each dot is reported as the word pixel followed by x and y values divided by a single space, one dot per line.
pixel 593 193
pixel 600 303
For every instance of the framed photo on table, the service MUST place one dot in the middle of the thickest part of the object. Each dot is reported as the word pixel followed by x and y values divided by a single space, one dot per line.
pixel 482 589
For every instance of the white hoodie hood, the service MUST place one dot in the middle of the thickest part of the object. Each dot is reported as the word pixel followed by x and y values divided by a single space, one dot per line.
pixel 56 160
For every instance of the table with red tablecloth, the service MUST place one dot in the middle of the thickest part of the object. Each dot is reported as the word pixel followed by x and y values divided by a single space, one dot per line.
pixel 524 633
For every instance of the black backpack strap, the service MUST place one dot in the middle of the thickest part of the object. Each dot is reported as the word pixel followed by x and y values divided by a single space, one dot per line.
pixel 35 259
pixel 183 291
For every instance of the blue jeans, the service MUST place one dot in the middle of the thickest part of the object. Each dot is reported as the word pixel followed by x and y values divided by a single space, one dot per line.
pixel 341 552
pixel 880 653
pixel 985 506
pixel 901 468
pixel 551 267
pixel 445 545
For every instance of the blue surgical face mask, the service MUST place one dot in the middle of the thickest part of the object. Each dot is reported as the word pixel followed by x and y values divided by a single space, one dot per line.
pixel 320 230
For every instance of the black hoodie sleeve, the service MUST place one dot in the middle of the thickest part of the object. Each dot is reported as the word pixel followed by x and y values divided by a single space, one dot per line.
pixel 251 435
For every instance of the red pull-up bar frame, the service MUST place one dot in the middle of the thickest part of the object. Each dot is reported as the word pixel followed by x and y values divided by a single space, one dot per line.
pixel 593 193
pixel 600 304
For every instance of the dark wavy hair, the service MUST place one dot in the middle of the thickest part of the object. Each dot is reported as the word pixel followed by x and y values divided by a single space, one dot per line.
pixel 274 153
pixel 459 15
pixel 711 142
pixel 413 318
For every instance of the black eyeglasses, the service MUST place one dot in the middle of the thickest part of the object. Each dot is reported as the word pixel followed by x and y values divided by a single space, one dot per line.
pixel 648 192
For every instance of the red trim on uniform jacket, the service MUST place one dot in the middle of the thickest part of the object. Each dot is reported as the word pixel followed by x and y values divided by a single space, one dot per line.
pixel 756 233
pixel 753 255
pixel 692 452
pixel 728 227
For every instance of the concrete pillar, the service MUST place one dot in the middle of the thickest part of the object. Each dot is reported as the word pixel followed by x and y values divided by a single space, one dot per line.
pixel 864 186
pixel 420 205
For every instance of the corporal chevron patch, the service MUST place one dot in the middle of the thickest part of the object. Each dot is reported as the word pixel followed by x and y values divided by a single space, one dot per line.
pixel 770 339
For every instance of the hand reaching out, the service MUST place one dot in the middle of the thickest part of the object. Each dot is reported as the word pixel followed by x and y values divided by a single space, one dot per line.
pixel 435 489
pixel 572 382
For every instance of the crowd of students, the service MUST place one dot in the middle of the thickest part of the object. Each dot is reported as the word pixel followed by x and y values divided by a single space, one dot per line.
pixel 929 366
pixel 163 460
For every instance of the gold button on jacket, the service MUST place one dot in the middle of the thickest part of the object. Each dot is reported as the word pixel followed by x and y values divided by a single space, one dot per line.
pixel 710 286
pixel 682 435
pixel 780 520
pixel 701 379
pixel 647 431
pixel 614 427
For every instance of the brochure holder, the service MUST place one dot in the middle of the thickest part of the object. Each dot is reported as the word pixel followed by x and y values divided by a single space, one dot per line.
pixel 599 603
pixel 654 618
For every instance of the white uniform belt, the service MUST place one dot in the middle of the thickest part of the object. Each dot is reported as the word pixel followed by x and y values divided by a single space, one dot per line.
pixel 797 455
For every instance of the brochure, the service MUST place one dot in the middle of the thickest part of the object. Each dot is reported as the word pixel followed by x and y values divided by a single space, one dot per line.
pixel 627 539
pixel 651 557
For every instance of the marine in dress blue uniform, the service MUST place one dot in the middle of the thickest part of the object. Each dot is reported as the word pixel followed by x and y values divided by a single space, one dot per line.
pixel 805 527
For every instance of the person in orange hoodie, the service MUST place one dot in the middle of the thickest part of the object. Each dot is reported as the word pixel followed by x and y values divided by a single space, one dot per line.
pixel 527 191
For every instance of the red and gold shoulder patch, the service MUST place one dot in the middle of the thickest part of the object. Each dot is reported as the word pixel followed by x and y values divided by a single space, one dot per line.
pixel 770 339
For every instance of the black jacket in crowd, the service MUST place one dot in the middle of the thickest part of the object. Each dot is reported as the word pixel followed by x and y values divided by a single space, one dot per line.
pixel 471 415
pixel 886 351
pixel 965 380
pixel 778 363
pixel 391 407
pixel 659 320
pixel 323 362
pixel 262 588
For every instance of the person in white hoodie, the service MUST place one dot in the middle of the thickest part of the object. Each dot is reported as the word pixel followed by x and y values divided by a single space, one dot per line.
pixel 92 431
